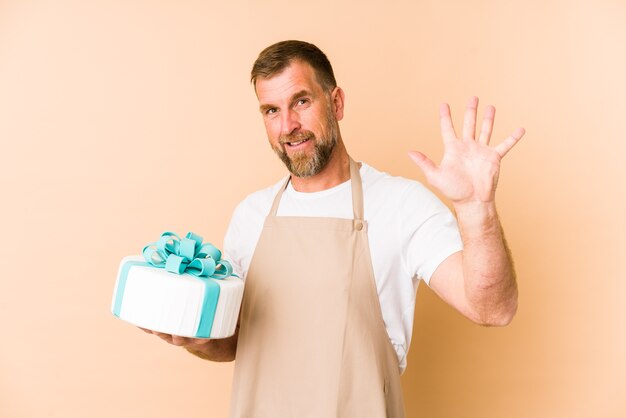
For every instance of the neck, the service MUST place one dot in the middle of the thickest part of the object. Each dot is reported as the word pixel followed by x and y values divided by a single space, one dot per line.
pixel 336 172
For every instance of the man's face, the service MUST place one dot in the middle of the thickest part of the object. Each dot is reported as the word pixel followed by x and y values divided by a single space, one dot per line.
pixel 299 117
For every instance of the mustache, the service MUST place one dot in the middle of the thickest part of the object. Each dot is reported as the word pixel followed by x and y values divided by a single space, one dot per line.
pixel 296 137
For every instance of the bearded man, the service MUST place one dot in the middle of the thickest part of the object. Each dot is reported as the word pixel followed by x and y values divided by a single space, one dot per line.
pixel 332 254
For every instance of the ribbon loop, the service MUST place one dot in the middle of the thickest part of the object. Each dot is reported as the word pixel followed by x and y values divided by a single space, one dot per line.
pixel 194 237
pixel 202 267
pixel 187 248
pixel 176 264
pixel 187 255
pixel 168 243
pixel 209 250
pixel 223 270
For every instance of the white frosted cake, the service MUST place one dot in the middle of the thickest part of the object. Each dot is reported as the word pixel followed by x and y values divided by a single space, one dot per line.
pixel 176 303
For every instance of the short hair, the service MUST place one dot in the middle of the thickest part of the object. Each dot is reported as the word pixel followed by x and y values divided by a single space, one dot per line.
pixel 275 58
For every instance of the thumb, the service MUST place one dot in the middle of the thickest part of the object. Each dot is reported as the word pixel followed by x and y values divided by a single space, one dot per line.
pixel 423 162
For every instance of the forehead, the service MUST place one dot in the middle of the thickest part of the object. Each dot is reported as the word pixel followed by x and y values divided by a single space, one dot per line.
pixel 296 77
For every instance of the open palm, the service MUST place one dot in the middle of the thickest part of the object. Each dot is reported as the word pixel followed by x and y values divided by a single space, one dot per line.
pixel 469 169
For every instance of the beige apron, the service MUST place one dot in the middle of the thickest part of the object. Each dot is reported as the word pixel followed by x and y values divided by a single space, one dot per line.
pixel 312 341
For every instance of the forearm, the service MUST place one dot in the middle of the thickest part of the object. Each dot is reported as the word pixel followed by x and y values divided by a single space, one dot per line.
pixel 221 350
pixel 489 278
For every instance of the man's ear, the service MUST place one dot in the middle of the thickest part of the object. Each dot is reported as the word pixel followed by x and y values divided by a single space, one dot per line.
pixel 338 98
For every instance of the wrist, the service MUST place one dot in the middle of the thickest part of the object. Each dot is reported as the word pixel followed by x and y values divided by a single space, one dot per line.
pixel 474 215
pixel 475 208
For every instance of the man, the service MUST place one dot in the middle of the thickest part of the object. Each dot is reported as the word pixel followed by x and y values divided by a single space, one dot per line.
pixel 333 254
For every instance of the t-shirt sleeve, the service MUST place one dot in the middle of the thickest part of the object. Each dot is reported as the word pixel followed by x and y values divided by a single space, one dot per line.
pixel 434 233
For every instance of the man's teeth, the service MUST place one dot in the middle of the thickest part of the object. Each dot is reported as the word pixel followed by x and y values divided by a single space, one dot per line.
pixel 297 143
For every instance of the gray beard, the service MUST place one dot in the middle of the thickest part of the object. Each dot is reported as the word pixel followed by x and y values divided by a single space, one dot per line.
pixel 302 165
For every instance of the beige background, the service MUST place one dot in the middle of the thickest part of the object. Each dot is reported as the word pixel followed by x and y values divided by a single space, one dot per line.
pixel 122 119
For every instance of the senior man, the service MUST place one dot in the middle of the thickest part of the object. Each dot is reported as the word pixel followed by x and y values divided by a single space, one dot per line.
pixel 332 254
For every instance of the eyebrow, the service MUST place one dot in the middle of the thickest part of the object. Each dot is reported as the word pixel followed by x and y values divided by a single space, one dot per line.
pixel 263 108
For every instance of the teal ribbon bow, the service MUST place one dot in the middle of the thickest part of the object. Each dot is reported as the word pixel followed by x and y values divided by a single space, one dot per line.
pixel 187 255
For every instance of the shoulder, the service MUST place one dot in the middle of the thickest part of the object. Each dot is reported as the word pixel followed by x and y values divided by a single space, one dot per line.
pixel 257 203
pixel 396 189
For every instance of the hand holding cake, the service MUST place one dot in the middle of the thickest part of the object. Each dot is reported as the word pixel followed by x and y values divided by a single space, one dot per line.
pixel 221 349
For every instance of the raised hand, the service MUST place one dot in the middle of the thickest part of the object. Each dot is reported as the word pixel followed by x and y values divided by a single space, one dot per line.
pixel 469 169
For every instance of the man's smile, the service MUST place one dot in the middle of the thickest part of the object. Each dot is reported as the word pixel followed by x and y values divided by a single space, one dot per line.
pixel 294 144
pixel 296 140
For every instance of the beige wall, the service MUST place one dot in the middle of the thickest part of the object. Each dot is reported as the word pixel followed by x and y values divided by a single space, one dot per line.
pixel 122 119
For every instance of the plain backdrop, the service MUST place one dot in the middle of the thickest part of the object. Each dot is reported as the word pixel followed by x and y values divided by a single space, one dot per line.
pixel 123 119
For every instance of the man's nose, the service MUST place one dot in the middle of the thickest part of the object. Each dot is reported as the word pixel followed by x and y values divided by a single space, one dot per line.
pixel 290 122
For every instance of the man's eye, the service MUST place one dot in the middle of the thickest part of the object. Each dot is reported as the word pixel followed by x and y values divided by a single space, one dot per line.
pixel 271 111
pixel 302 101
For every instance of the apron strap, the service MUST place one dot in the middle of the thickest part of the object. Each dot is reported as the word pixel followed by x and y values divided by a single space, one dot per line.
pixel 274 209
pixel 357 193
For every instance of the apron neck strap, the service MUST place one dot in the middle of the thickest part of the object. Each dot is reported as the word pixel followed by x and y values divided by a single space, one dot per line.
pixel 357 192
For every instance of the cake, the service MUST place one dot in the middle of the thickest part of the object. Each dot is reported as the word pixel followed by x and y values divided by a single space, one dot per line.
pixel 180 287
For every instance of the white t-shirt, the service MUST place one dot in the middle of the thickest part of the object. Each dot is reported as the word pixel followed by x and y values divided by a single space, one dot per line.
pixel 410 233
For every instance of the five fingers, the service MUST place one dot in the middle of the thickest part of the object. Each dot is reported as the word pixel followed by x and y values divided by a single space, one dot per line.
pixel 469 126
